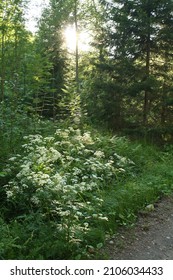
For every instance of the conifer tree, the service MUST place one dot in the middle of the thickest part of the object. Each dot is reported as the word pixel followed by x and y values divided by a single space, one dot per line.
pixel 137 33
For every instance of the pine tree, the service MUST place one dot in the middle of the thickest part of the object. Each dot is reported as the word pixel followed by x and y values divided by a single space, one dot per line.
pixel 136 36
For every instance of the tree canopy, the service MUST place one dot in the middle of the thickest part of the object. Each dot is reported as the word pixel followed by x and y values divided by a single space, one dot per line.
pixel 123 80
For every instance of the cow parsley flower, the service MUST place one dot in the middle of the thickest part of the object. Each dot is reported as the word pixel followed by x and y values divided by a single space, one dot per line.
pixel 86 139
pixel 9 194
pixel 99 154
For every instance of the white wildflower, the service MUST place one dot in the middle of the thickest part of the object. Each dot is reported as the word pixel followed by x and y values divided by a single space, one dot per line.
pixel 36 139
pixel 41 150
pixel 54 154
pixel 64 134
pixel 35 200
pixel 77 138
pixel 121 170
pixel 65 213
pixel 24 146
pixel 57 179
pixel 101 217
pixel 74 180
pixel 86 225
pixel 123 160
pixel 49 139
pixel 9 194
pixel 117 156
pixel 57 143
pixel 93 185
pixel 16 188
pixel 78 132
pixel 40 179
pixel 12 158
pixel 99 154
pixel 93 168
pixel 79 214
pixel 85 178
pixel 69 158
pixel 76 171
pixel 71 129
pixel 86 138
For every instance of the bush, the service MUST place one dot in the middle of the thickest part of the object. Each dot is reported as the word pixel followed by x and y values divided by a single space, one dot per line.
pixel 63 193
pixel 62 178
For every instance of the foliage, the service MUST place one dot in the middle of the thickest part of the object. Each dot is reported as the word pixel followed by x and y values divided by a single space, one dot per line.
pixel 126 84
pixel 61 177
pixel 63 189
pixel 78 187
pixel 52 56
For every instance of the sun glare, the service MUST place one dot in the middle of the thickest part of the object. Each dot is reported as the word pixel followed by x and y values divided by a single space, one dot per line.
pixel 71 37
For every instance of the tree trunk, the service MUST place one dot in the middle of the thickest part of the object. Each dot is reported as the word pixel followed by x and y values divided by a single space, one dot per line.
pixel 147 67
pixel 77 48
pixel 2 65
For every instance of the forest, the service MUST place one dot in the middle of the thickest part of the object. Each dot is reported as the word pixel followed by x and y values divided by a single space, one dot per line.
pixel 86 123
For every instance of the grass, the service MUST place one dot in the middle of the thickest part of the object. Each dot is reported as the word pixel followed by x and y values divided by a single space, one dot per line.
pixel 77 188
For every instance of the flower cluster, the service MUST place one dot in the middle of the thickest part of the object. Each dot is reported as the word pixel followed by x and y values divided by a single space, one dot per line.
pixel 62 177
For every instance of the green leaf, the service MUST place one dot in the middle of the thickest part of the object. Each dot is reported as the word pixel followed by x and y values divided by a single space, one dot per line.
pixel 3 174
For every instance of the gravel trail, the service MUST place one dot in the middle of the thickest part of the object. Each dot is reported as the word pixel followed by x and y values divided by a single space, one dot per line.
pixel 150 239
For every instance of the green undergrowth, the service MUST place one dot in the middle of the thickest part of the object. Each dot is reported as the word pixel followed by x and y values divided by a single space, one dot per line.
pixel 62 195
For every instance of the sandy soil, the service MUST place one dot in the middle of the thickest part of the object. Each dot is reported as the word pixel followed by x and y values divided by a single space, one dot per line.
pixel 150 239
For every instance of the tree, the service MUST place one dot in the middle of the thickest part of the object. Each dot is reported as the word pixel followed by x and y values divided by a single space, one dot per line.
pixel 14 43
pixel 49 44
pixel 60 15
pixel 135 39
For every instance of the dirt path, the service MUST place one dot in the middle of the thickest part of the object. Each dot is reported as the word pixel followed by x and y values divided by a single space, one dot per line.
pixel 150 239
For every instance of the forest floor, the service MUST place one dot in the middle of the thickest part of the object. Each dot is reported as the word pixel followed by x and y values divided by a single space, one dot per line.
pixel 151 238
